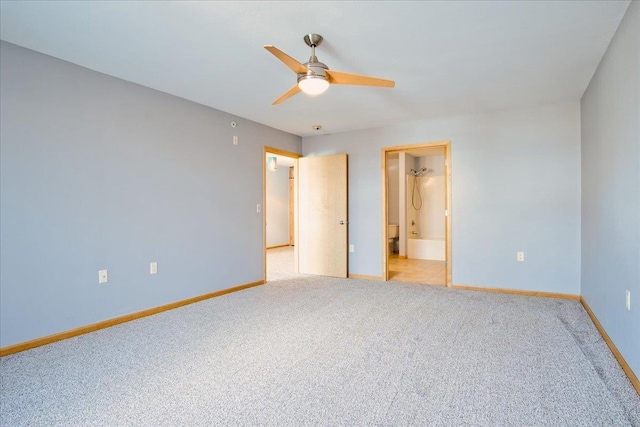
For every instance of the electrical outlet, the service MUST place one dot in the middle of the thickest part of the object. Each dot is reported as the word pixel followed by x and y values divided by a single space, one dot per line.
pixel 628 302
pixel 153 268
pixel 520 256
pixel 102 276
pixel 352 248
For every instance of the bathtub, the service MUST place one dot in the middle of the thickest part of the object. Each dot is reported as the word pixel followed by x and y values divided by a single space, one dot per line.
pixel 432 249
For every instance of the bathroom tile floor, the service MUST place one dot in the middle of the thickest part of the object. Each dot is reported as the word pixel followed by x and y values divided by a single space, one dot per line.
pixel 417 271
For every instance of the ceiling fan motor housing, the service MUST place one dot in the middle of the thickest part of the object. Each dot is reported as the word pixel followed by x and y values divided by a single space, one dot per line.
pixel 316 70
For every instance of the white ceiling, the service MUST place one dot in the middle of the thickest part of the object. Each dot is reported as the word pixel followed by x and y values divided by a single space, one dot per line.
pixel 446 57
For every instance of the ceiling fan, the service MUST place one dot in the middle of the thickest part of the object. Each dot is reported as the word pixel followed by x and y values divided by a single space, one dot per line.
pixel 314 77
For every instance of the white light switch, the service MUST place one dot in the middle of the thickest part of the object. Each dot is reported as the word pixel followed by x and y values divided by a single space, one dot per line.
pixel 258 208
pixel 102 276
pixel 628 303
pixel 352 248
pixel 153 268
pixel 235 140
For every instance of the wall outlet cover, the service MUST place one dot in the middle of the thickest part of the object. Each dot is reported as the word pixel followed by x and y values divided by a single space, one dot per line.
pixel 102 276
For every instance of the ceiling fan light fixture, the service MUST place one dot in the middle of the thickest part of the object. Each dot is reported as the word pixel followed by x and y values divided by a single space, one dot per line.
pixel 313 85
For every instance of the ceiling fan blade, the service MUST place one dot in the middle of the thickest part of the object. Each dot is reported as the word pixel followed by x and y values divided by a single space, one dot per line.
pixel 288 94
pixel 287 60
pixel 340 78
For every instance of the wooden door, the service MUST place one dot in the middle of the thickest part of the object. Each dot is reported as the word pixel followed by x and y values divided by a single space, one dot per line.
pixel 322 238
pixel 291 206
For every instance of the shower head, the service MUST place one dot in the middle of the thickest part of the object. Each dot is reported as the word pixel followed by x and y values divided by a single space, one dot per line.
pixel 420 171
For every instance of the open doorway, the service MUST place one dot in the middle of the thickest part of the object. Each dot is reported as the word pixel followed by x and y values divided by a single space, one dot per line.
pixel 417 213
pixel 279 213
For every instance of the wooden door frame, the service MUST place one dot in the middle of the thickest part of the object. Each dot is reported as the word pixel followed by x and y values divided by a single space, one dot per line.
pixel 271 150
pixel 385 207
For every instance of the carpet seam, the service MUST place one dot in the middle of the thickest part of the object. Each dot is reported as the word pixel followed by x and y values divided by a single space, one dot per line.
pixel 584 350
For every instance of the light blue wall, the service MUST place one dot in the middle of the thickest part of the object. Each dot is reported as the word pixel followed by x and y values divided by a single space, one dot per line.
pixel 516 187
pixel 98 173
pixel 277 206
pixel 610 111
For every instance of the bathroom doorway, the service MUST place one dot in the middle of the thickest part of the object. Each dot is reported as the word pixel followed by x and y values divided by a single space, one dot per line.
pixel 279 213
pixel 417 213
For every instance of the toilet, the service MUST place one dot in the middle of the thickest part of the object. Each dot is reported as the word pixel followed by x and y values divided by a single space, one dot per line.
pixel 393 233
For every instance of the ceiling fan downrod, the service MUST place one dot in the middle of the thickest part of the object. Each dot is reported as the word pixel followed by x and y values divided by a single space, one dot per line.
pixel 313 40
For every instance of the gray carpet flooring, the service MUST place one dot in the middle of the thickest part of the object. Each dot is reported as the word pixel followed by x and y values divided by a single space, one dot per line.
pixel 320 351
pixel 280 264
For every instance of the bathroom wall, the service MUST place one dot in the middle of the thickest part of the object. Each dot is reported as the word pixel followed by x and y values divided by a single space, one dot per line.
pixel 277 206
pixel 431 220
pixel 406 163
pixel 393 191
pixel 99 173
